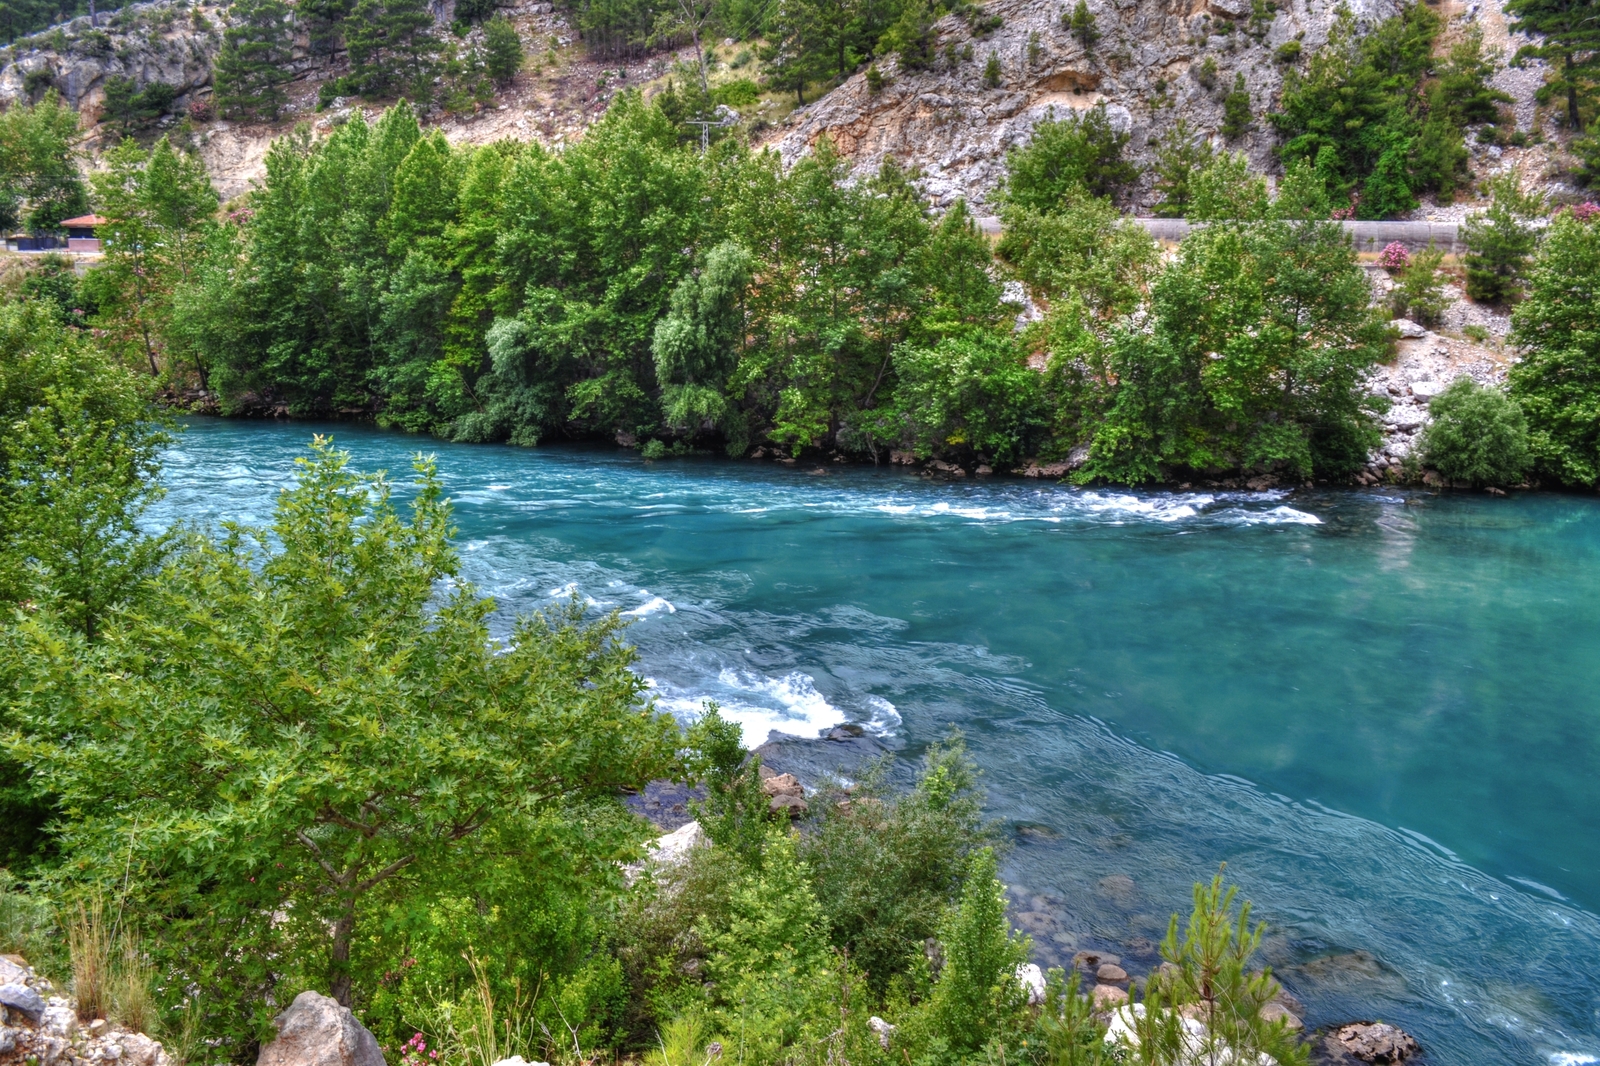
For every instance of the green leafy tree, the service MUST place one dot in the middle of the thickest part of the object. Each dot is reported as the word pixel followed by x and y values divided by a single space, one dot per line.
pixel 1478 435
pixel 503 49
pixel 1079 151
pixel 40 183
pixel 972 393
pixel 1081 23
pixel 1179 154
pixel 912 36
pixel 1260 336
pixel 364 739
pixel 1085 248
pixel 324 21
pixel 991 72
pixel 160 203
pixel 78 446
pixel 1557 380
pixel 252 67
pixel 1378 117
pixel 1568 40
pixel 696 346
pixel 792 57
pixel 1500 240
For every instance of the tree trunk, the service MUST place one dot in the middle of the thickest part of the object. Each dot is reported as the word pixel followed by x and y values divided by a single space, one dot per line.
pixel 339 966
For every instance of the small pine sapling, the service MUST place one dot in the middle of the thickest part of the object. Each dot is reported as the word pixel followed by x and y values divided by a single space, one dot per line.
pixel 1236 110
pixel 991 72
pixel 1082 24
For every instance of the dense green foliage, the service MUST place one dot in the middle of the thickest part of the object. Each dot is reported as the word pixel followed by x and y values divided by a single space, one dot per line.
pixel 78 446
pixel 1478 435
pixel 372 755
pixel 1557 381
pixel 39 180
pixel 1378 118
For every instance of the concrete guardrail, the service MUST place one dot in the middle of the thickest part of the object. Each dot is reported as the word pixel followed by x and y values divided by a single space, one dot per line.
pixel 1368 236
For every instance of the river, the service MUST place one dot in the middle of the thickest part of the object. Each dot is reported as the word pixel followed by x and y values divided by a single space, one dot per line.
pixel 1380 708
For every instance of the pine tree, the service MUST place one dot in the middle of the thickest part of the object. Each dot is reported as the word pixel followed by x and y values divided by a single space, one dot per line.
pixel 253 64
pixel 324 20
pixel 1570 32
pixel 1178 157
pixel 1500 241
pixel 392 47
pixel 991 72
pixel 1081 23
pixel 791 59
pixel 503 48
pixel 1236 110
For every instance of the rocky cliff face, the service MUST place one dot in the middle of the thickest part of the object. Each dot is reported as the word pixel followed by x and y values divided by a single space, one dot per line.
pixel 1156 61
pixel 158 42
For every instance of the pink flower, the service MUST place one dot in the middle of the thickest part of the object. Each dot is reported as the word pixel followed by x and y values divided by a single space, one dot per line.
pixel 1394 257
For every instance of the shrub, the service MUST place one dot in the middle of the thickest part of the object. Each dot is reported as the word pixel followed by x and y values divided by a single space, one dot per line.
pixel 885 867
pixel 1478 435
pixel 977 992
pixel 875 79
pixel 991 72
pixel 1288 52
pixel 1394 257
pixel 1419 289
pixel 742 91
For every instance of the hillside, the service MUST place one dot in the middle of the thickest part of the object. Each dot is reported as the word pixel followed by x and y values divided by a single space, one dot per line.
pixel 1156 62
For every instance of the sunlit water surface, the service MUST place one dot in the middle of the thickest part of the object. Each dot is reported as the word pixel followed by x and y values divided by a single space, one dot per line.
pixel 1381 709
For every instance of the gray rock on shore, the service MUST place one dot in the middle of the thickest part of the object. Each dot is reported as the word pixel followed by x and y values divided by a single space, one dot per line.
pixel 317 1031
pixel 22 1002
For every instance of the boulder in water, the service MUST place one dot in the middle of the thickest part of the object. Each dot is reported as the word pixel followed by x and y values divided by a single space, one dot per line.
pixel 1376 1042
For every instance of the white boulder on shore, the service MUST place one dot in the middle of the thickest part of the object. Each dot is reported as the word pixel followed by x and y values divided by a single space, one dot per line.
pixel 317 1031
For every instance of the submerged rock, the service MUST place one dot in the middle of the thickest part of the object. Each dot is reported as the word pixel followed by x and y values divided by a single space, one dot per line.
pixel 1376 1042
pixel 317 1031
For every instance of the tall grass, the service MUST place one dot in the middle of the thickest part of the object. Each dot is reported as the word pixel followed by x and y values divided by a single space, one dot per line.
pixel 89 940
pixel 132 978
pixel 112 976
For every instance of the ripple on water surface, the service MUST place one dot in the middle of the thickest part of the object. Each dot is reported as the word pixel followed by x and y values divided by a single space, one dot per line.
pixel 1379 710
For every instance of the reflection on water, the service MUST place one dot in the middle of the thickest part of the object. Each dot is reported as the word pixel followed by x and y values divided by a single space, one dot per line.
pixel 1382 710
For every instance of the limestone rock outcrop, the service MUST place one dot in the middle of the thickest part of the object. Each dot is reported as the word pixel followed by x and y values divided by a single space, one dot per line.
pixel 317 1031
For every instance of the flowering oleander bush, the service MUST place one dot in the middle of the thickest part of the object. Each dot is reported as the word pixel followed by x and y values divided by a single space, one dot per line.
pixel 1394 257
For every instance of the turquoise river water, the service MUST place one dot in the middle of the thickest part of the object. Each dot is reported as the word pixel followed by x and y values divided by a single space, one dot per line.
pixel 1381 709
